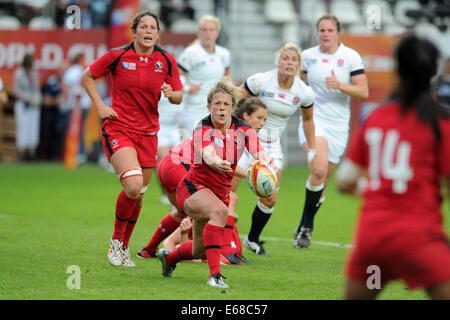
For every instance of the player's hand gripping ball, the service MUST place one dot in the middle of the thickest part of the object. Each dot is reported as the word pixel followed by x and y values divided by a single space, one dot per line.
pixel 262 179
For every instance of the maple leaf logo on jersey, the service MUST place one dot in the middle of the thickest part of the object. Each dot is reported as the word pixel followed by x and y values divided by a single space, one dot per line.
pixel 159 65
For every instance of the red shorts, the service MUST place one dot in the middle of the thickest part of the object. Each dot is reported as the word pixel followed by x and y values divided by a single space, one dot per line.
pixel 416 254
pixel 115 138
pixel 187 188
pixel 170 174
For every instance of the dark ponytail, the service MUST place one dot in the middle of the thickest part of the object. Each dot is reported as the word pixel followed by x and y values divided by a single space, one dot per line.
pixel 417 62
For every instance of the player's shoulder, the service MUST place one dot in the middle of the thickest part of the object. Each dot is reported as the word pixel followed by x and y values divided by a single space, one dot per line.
pixel 240 124
pixel 165 53
pixel 265 75
pixel 379 112
pixel 222 50
pixel 313 51
pixel 204 123
pixel 117 51
pixel 193 48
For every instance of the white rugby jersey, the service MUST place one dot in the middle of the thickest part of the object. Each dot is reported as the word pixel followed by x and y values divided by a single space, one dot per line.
pixel 331 105
pixel 281 104
pixel 205 68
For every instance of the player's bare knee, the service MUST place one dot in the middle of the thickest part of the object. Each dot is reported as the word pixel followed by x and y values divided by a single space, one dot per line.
pixel 219 213
pixel 268 202
pixel 177 216
pixel 319 173
pixel 132 182
pixel 132 187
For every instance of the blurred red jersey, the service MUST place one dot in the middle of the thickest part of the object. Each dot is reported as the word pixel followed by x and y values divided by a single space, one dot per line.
pixel 229 146
pixel 136 85
pixel 404 162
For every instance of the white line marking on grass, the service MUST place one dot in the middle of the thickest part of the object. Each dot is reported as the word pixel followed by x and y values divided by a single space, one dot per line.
pixel 323 243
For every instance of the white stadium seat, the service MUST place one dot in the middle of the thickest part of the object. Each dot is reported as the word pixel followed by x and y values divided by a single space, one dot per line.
pixel 394 28
pixel 280 11
pixel 430 32
pixel 184 25
pixel 41 23
pixel 9 22
pixel 347 11
pixel 312 10
pixel 400 9
pixel 360 29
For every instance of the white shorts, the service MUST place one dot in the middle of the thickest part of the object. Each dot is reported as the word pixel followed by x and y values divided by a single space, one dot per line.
pixel 336 136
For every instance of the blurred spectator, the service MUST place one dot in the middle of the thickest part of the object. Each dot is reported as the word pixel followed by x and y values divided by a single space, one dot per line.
pixel 73 90
pixel 27 108
pixel 99 10
pixel 175 9
pixel 27 9
pixel 443 85
pixel 61 12
pixel 52 129
pixel 3 94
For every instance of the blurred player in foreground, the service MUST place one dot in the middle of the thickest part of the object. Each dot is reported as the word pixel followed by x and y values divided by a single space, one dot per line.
pixel 403 148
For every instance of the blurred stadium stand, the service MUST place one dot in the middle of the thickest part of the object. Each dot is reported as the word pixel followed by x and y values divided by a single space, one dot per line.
pixel 254 30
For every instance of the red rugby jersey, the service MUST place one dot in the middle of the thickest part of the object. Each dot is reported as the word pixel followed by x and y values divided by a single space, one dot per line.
pixel 229 146
pixel 404 162
pixel 136 85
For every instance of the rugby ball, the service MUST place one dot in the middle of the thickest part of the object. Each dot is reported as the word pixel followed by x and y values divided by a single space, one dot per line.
pixel 262 179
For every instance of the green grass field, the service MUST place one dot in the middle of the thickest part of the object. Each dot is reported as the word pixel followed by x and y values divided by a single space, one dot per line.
pixel 51 219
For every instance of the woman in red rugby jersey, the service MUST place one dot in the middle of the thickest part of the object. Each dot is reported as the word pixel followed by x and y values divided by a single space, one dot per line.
pixel 219 140
pixel 140 71
pixel 403 147
pixel 174 167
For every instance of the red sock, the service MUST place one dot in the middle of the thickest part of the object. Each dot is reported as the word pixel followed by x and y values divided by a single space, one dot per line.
pixel 130 225
pixel 228 237
pixel 124 210
pixel 237 242
pixel 165 228
pixel 183 252
pixel 212 239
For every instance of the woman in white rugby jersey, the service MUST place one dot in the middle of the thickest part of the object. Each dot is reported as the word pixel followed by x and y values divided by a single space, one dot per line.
pixel 283 92
pixel 203 63
pixel 335 73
